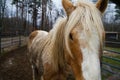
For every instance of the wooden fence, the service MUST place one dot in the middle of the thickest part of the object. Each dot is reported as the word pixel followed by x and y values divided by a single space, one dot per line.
pixel 10 43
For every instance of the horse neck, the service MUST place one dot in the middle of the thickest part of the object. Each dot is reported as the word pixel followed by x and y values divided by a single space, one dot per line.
pixel 58 60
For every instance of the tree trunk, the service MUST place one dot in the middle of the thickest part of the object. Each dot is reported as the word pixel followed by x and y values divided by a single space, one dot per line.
pixel 43 20
pixel 35 16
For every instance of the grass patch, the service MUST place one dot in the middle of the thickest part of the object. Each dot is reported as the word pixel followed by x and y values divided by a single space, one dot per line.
pixel 114 49
pixel 105 74
pixel 110 61
pixel 116 56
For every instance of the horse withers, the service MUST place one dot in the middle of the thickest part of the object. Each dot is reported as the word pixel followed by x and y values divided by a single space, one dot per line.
pixel 73 46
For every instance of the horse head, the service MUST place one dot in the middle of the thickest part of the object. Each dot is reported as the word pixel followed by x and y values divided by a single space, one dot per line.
pixel 84 36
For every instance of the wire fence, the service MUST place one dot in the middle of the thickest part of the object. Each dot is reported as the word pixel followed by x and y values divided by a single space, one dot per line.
pixel 114 68
pixel 111 62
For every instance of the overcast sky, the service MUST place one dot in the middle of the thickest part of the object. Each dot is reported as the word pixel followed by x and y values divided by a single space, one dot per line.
pixel 10 6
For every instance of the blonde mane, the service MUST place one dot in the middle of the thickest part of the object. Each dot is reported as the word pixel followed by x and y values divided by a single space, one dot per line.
pixel 53 45
pixel 87 16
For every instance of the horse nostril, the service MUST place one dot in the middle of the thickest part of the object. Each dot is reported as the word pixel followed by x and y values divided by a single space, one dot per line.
pixel 70 36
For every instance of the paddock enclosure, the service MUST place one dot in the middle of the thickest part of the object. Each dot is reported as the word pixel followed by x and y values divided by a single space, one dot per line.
pixel 19 19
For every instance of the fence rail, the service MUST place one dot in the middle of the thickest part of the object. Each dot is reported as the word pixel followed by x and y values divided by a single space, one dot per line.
pixel 12 42
pixel 115 68
pixel 112 42
pixel 8 44
pixel 113 51
pixel 115 59
pixel 105 70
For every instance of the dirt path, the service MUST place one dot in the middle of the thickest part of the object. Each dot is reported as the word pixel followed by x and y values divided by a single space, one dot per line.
pixel 15 65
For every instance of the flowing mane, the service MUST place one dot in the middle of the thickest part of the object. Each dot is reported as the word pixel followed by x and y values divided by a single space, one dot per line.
pixel 74 45
pixel 53 44
pixel 86 15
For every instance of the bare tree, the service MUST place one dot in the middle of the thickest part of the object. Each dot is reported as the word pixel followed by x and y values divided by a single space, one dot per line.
pixel 2 11
pixel 33 9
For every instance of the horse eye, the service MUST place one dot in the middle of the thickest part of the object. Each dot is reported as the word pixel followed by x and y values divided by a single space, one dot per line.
pixel 70 36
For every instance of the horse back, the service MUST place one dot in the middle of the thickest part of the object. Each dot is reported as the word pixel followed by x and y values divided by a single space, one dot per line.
pixel 34 34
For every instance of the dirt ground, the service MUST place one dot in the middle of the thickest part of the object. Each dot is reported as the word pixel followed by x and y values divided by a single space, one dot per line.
pixel 14 65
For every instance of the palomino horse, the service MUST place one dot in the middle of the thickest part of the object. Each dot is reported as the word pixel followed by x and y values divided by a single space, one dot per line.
pixel 74 45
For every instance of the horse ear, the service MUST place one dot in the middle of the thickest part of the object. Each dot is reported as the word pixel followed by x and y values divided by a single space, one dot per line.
pixel 68 6
pixel 102 5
